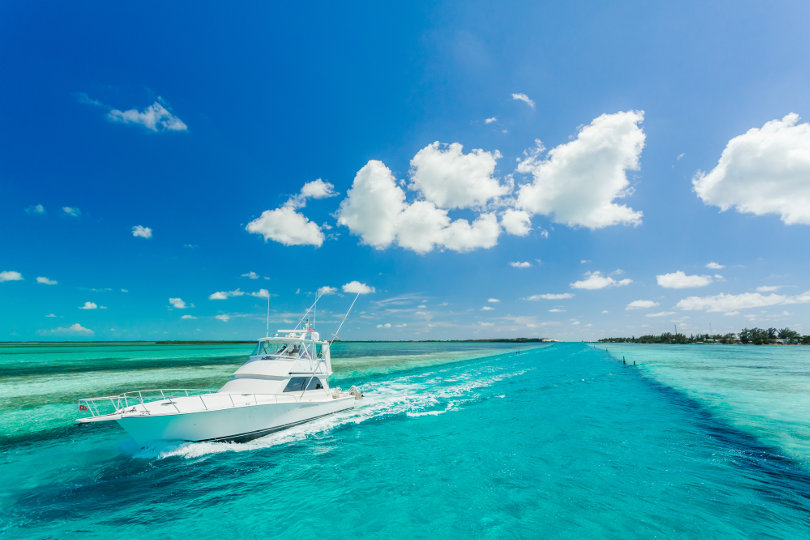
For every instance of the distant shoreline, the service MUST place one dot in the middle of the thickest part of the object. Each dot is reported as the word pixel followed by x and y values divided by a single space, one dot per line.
pixel 247 342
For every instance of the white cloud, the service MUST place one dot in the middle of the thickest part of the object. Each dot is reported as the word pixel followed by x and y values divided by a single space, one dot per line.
pixel 660 314
pixel 251 275
pixel 462 235
pixel 288 227
pixel 763 171
pixel 326 289
pixel 376 210
pixel 487 308
pixel 595 280
pixel 516 222
pixel 317 189
pixel 490 120
pixel 641 304
pixel 141 231
pixel 178 303
pixel 680 280
pixel 10 275
pixel 768 288
pixel 493 300
pixel 223 318
pixel 549 296
pixel 449 178
pixel 519 96
pixel 74 328
pixel 714 266
pixel 356 287
pixel 71 211
pixel 386 325
pixel 520 264
pixel 224 295
pixel 373 205
pixel 90 305
pixel 579 181
pixel 50 316
pixel 556 310
pixel 46 281
pixel 261 293
pixel 187 316
pixel 155 118
pixel 35 209
pixel 726 303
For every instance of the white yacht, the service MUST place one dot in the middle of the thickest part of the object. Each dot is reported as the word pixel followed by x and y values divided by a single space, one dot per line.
pixel 284 383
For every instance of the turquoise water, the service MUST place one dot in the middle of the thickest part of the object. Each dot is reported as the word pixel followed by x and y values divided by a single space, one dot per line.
pixel 451 441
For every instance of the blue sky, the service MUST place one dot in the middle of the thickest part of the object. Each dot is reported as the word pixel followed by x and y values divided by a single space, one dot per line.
pixel 154 155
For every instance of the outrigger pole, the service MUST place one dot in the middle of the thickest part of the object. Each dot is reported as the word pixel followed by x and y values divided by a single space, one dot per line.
pixel 334 336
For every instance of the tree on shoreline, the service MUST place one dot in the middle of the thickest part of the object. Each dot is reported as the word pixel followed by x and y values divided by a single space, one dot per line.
pixel 753 336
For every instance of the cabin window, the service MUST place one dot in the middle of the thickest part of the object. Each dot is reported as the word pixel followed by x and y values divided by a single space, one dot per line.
pixel 315 384
pixel 296 384
pixel 261 348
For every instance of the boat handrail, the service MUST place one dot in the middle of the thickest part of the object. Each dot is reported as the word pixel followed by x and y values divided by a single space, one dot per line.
pixel 126 400
pixel 136 397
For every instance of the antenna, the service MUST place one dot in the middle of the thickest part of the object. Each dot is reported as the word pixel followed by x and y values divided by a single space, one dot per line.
pixel 304 316
pixel 334 336
pixel 268 315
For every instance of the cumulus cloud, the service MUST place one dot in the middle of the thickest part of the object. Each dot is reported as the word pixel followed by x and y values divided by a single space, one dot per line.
pixel 10 275
pixel 139 231
pixel 549 296
pixel 36 209
pixel 74 328
pixel 356 287
pixel 516 222
pixel 580 180
pixel 224 295
pixel 261 293
pixel 493 300
pixel 188 317
pixel 520 264
pixel 680 280
pixel 223 317
pixel 90 305
pixel 251 275
pixel 156 117
pixel 595 280
pixel 317 189
pixel 714 266
pixel 641 304
pixel 729 303
pixel 178 303
pixel 487 308
pixel 45 281
pixel 288 227
pixel 71 211
pixel 519 96
pixel 449 178
pixel 763 171
pixel 375 209
pixel 386 325
pixel 660 314
pixel 325 290
pixel 490 120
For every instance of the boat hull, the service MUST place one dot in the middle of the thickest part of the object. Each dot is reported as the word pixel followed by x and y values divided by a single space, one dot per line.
pixel 232 424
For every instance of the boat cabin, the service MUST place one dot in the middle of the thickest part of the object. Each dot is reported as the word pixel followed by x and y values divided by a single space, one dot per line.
pixel 290 361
